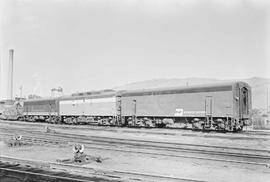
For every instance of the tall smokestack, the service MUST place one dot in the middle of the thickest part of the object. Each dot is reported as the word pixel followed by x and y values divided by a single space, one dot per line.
pixel 10 75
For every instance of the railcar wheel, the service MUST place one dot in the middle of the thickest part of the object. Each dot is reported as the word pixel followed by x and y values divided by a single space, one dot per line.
pixel 197 124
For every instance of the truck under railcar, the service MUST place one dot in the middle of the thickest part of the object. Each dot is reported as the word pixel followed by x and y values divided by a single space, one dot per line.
pixel 225 106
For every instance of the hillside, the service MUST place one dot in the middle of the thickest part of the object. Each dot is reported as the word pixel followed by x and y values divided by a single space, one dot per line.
pixel 259 86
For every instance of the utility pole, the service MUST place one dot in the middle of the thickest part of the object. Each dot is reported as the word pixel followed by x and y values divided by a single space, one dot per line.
pixel 21 87
pixel 10 75
pixel 267 104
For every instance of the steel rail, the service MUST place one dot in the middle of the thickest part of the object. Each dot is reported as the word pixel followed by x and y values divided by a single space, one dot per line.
pixel 215 135
pixel 43 175
pixel 98 172
pixel 130 129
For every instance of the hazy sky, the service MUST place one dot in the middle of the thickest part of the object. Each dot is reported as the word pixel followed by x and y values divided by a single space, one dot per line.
pixel 85 45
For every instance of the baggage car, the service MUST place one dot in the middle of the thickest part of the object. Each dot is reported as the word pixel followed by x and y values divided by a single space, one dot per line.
pixel 225 106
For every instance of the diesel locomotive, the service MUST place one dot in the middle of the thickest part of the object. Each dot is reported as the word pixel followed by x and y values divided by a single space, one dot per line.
pixel 224 106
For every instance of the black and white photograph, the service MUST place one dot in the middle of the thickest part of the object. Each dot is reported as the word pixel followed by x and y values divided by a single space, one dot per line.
pixel 134 90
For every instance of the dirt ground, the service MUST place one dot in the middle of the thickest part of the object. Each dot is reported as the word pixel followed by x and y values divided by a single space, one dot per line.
pixel 177 167
pixel 173 166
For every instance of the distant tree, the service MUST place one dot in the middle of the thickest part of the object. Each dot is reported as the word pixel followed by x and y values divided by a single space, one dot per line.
pixel 256 112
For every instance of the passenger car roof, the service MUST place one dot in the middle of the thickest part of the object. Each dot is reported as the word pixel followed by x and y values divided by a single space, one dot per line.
pixel 223 86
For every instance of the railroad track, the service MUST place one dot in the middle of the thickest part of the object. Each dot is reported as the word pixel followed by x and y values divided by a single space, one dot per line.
pixel 137 142
pixel 154 148
pixel 49 171
pixel 245 135
pixel 26 173
pixel 254 132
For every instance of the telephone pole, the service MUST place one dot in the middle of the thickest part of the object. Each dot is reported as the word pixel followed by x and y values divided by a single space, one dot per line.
pixel 267 104
pixel 21 87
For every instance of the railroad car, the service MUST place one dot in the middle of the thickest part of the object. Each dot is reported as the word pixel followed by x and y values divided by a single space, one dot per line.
pixel 97 108
pixel 45 109
pixel 225 106
pixel 12 111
